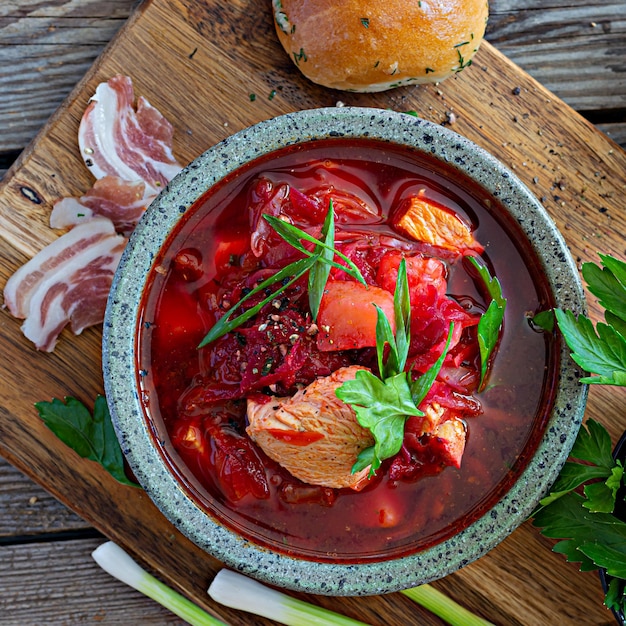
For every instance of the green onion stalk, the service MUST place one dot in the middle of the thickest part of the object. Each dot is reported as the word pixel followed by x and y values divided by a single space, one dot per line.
pixel 113 560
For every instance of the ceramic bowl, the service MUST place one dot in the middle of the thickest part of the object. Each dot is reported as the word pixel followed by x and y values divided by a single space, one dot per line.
pixel 145 451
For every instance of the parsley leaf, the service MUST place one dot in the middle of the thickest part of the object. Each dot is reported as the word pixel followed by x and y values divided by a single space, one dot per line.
pixel 593 448
pixel 590 531
pixel 382 406
pixel 616 595
pixel 591 539
pixel 593 444
pixel 92 437
pixel 608 284
pixel 491 320
pixel 601 351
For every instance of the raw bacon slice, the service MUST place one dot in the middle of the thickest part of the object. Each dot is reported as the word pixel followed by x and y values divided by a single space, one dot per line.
pixel 66 282
pixel 118 139
pixel 121 201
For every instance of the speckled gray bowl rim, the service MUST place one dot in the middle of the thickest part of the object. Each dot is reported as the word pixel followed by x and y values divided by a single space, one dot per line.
pixel 119 353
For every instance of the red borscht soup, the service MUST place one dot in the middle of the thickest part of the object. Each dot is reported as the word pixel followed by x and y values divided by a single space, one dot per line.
pixel 389 203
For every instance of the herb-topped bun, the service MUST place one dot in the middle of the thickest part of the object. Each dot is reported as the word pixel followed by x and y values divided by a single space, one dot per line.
pixel 360 45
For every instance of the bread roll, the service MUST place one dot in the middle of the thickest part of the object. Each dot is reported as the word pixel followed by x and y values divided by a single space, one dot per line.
pixel 361 45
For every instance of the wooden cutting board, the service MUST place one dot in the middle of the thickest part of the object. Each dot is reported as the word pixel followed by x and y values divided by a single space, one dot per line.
pixel 214 68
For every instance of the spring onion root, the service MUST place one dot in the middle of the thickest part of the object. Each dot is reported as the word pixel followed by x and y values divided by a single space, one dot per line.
pixel 445 608
pixel 240 592
pixel 113 560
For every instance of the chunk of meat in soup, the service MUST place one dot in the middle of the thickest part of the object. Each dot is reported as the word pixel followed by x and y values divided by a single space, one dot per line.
pixel 314 435
pixel 424 221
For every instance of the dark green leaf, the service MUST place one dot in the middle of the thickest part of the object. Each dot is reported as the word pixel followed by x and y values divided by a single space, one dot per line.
pixel 618 324
pixel 572 476
pixel 600 498
pixel 421 385
pixel 611 557
pixel 491 321
pixel 592 539
pixel 617 267
pixel 544 320
pixel 91 437
pixel 384 336
pixel 616 595
pixel 593 444
pixel 603 353
pixel 402 313
pixel 318 274
pixel 608 284
pixel 382 407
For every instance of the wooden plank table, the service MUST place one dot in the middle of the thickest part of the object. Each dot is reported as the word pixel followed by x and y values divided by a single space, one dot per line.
pixel 577 51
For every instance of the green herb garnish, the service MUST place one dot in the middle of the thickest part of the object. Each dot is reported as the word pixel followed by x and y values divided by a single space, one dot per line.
pixel 462 63
pixel 421 386
pixel 491 321
pixel 318 274
pixel 601 351
pixel 589 531
pixel 382 406
pixel 590 534
pixel 293 235
pixel 92 437
pixel 365 21
pixel 300 56
pixel 608 284
pixel 322 255
pixel 290 273
pixel 383 403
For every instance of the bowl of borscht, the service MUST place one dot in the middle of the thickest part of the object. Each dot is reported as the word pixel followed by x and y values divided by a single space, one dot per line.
pixel 321 358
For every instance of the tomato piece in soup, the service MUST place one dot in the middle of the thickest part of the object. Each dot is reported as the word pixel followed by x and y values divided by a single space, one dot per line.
pixel 426 276
pixel 347 316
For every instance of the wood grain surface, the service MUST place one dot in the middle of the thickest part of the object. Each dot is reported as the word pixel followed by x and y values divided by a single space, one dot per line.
pixel 214 56
pixel 575 48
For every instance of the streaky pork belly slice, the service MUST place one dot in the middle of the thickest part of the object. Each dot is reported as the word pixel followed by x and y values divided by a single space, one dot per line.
pixel 67 282
pixel 123 202
pixel 117 138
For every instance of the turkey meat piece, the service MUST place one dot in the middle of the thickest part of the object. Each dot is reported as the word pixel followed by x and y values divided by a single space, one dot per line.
pixel 313 434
